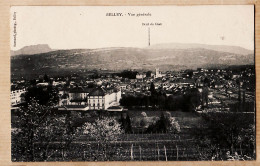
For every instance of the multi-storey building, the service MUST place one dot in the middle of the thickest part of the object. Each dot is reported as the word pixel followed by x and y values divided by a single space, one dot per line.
pixel 89 99
pixel 16 96
pixel 100 99
pixel 158 74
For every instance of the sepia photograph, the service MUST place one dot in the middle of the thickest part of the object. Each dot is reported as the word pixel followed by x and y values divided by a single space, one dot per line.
pixel 132 83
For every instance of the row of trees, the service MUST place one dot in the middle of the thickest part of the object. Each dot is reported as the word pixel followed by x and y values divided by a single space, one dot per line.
pixel 185 102
pixel 163 124
pixel 128 74
pixel 132 74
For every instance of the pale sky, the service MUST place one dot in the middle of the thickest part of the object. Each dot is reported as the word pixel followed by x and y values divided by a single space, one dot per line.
pixel 89 27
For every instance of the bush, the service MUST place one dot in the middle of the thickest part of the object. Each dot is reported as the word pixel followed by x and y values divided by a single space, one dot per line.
pixel 164 125
pixel 168 114
pixel 174 126
pixel 143 123
pixel 103 130
pixel 144 114
pixel 235 131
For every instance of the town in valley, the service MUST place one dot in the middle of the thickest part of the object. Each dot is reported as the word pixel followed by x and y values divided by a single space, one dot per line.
pixel 160 115
pixel 133 83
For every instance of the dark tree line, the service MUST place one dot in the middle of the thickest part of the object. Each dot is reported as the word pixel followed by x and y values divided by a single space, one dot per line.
pixel 185 102
pixel 128 74
pixel 41 94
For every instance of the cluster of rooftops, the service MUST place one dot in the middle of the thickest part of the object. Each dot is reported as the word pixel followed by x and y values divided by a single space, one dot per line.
pixel 98 91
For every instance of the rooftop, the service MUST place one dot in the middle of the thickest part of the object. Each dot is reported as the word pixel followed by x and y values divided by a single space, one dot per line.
pixel 77 90
pixel 97 92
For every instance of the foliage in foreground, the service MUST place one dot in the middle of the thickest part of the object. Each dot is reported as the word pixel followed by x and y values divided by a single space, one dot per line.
pixel 165 124
pixel 103 131
pixel 39 128
pixel 234 132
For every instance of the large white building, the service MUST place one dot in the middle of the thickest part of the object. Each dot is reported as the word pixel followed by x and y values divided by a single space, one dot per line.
pixel 16 96
pixel 89 99
pixel 100 99
pixel 158 74
pixel 140 75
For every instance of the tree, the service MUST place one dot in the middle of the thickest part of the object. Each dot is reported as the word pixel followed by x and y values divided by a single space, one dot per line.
pixel 128 74
pixel 50 130
pixel 69 133
pixel 143 122
pixel 206 81
pixel 148 74
pixel 46 78
pixel 128 128
pixel 164 125
pixel 144 114
pixel 126 123
pixel 31 117
pixel 190 73
pixel 192 99
pixel 235 131
pixel 103 131
pixel 43 96
pixel 174 126
pixel 152 88
pixel 33 82
pixel 162 101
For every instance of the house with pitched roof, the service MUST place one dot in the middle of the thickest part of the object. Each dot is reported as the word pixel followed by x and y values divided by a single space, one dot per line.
pixel 83 99
pixel 101 99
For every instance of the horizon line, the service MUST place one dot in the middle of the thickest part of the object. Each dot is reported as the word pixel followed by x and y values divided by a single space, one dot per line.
pixel 132 46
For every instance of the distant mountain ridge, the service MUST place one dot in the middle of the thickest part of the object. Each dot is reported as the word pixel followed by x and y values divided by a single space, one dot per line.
pixel 123 58
pixel 43 48
pixel 222 48
pixel 33 49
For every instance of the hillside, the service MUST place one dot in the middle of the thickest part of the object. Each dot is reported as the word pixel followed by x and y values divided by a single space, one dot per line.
pixel 126 58
pixel 221 48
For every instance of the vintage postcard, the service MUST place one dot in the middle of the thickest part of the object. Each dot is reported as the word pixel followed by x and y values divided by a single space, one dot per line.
pixel 132 83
